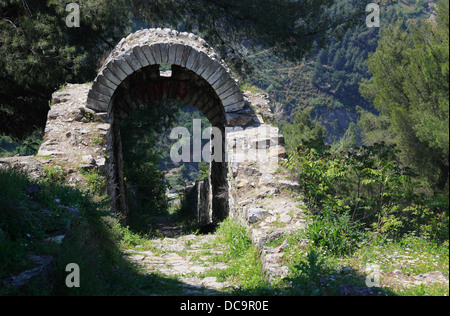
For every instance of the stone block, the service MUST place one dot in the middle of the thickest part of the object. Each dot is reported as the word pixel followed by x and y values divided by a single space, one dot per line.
pixel 116 71
pixel 230 83
pixel 221 81
pixel 218 73
pixel 201 62
pixel 108 75
pixel 137 50
pixel 179 53
pixel 238 119
pixel 122 64
pixel 98 96
pixel 164 53
pixel 233 90
pixel 97 105
pixel 232 99
pixel 212 68
pixel 156 51
pixel 172 54
pixel 148 54
pixel 107 82
pixel 235 107
pixel 133 61
pixel 102 89
pixel 255 214
pixel 186 53
pixel 193 55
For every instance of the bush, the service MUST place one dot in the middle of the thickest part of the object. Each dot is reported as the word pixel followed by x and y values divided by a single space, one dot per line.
pixel 333 232
pixel 370 185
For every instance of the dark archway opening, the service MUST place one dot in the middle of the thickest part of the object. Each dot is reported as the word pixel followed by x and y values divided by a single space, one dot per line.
pixel 146 105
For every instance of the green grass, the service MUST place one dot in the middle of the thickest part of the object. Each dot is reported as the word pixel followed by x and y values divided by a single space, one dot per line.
pixel 242 259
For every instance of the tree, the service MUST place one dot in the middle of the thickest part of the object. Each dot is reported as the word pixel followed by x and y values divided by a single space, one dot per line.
pixel 304 131
pixel 39 53
pixel 410 85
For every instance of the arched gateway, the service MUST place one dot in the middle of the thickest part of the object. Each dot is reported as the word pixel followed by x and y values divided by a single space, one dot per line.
pixel 131 75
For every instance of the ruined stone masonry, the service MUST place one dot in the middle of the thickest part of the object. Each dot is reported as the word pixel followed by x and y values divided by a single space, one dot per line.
pixel 82 133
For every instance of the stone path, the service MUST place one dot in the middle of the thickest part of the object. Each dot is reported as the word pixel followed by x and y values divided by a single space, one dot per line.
pixel 189 258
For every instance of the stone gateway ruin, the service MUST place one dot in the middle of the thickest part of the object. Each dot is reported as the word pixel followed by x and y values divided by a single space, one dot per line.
pixel 82 133
pixel 131 75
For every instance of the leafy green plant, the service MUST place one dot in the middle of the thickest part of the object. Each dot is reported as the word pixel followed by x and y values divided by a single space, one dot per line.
pixel 96 181
pixel 371 185
pixel 54 174
pixel 333 232
pixel 305 276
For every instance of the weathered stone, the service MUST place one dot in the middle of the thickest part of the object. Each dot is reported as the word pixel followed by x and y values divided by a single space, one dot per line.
pixel 97 105
pixel 210 70
pixel 132 61
pixel 229 84
pixel 102 89
pixel 217 75
pixel 172 54
pixel 148 54
pixel 109 76
pixel 156 51
pixel 255 214
pixel 123 64
pixel 60 97
pixel 201 62
pixel 193 56
pixel 44 265
pixel 242 183
pixel 238 120
pixel 141 56
pixel 116 71
pixel 234 108
pixel 164 53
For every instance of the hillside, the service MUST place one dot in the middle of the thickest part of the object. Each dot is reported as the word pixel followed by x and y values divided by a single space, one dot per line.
pixel 327 85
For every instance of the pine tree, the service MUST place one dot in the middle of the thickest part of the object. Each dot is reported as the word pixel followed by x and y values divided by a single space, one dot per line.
pixel 411 86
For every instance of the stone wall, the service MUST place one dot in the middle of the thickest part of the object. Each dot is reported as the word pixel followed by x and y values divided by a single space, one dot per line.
pixel 262 196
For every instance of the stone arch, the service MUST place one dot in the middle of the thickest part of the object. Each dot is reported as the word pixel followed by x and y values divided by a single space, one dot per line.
pixel 212 89
pixel 152 47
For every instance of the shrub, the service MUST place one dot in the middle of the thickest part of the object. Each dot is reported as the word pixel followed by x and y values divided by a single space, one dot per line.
pixel 370 185
pixel 333 232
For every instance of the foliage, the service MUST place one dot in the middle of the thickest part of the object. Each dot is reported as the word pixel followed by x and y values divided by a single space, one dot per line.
pixel 146 182
pixel 28 217
pixel 304 131
pixel 333 232
pixel 293 28
pixel 370 185
pixel 305 276
pixel 96 181
pixel 39 53
pixel 10 146
pixel 235 237
pixel 410 86
pixel 54 174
